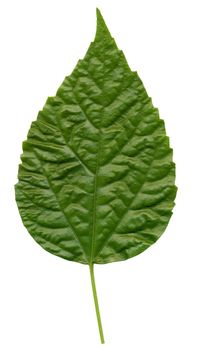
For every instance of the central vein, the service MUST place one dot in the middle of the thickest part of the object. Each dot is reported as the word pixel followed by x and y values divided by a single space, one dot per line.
pixel 95 198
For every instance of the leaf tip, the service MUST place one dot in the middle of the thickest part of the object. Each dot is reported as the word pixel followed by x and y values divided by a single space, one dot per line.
pixel 98 12
pixel 102 30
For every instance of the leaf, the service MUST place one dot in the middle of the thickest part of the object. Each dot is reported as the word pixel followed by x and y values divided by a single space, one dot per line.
pixel 96 182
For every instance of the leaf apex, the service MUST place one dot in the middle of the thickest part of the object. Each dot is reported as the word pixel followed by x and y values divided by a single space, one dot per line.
pixel 102 31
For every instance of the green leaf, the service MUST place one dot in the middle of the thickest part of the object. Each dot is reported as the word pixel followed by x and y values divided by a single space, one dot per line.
pixel 96 182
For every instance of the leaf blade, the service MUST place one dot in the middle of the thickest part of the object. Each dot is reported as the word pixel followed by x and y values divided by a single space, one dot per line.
pixel 96 183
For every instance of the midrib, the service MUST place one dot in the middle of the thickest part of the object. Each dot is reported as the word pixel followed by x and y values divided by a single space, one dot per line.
pixel 95 198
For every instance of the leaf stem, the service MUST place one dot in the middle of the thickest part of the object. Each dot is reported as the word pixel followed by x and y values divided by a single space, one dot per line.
pixel 91 268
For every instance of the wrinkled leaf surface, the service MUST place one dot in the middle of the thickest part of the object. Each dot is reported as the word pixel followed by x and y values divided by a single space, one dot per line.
pixel 96 181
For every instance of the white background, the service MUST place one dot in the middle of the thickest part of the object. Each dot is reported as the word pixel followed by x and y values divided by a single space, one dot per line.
pixel 155 301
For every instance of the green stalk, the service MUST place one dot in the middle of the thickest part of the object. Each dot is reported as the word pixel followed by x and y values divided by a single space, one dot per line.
pixel 91 268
